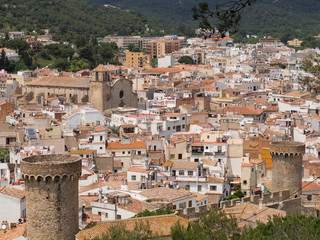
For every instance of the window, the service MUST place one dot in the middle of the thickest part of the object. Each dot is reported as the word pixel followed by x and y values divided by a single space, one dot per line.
pixel 121 94
pixel 143 178
pixel 99 213
pixel 244 181
pixel 199 188
pixel 181 172
pixel 190 173
pixel 118 216
pixel 252 169
pixel 207 147
pixel 168 128
pixel 180 156
pixel 219 149
pixel 183 118
pixel 183 126
pixel 205 201
pixel 100 138
pixel 309 197
pixel 123 152
pixel 139 152
pixel 196 160
pixel 190 203
pixel 208 136
pixel 171 155
pixel 133 177
pixel 213 188
pixel 100 148
pixel 187 187
pixel 129 152
pixel 113 153
pixel 174 207
pixel 106 215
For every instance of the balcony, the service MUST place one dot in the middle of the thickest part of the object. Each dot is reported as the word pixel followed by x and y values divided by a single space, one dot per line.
pixel 197 152
pixel 220 153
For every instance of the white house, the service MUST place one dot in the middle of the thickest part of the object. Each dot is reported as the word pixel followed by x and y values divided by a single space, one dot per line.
pixel 13 204
pixel 83 116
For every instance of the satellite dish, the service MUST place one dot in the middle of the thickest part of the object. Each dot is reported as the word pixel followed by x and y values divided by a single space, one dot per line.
pixel 4 227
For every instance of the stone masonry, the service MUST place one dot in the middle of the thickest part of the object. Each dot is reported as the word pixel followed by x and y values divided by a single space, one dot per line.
pixel 287 166
pixel 51 183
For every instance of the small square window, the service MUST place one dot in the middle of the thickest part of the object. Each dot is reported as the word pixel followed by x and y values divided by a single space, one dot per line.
pixel 244 181
pixel 213 188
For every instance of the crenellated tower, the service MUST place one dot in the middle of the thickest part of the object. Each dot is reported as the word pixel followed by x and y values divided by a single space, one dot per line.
pixel 287 166
pixel 51 184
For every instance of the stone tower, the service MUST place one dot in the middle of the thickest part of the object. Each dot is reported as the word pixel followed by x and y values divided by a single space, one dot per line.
pixel 100 87
pixel 51 183
pixel 287 166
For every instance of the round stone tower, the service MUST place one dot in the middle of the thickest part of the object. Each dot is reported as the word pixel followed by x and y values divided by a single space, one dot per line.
pixel 51 183
pixel 287 166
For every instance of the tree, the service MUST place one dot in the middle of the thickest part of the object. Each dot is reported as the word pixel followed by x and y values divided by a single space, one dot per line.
pixel 224 18
pixel 78 64
pixel 186 60
pixel 133 48
pixel 291 227
pixel 147 213
pixel 61 64
pixel 237 194
pixel 213 225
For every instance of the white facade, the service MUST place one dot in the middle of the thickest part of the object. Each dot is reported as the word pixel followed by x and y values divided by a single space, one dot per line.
pixel 12 208
pixel 84 116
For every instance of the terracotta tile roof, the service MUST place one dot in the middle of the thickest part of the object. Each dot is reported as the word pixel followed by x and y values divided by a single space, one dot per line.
pixel 185 165
pixel 310 186
pixel 200 196
pixel 246 211
pixel 100 129
pixel 135 206
pixel 160 225
pixel 167 193
pixel 14 233
pixel 17 193
pixel 135 169
pixel 67 82
pixel 215 180
pixel 133 144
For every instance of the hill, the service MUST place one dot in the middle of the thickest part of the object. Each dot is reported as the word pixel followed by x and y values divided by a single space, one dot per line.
pixel 66 18
pixel 265 17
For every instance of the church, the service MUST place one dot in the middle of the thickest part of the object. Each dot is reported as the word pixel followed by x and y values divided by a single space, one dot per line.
pixel 101 90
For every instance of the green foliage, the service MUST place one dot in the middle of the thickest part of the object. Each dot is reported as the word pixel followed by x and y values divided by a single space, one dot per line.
pixel 133 48
pixel 4 153
pixel 147 213
pixel 154 62
pixel 237 194
pixel 280 65
pixel 214 225
pixel 61 64
pixel 68 19
pixel 78 64
pixel 141 231
pixel 290 227
pixel 186 60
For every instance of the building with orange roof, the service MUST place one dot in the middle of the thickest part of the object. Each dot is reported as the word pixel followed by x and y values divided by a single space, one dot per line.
pixel 13 204
pixel 126 150
pixel 160 225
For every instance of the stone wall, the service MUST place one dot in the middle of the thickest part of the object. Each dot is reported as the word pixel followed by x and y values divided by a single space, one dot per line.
pixel 278 200
pixel 51 184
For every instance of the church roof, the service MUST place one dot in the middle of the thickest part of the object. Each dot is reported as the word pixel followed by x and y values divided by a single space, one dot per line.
pixel 70 82
pixel 100 68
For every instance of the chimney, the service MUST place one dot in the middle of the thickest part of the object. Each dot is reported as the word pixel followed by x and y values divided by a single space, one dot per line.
pixel 156 174
pixel 100 194
pixel 260 203
pixel 254 217
pixel 201 169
